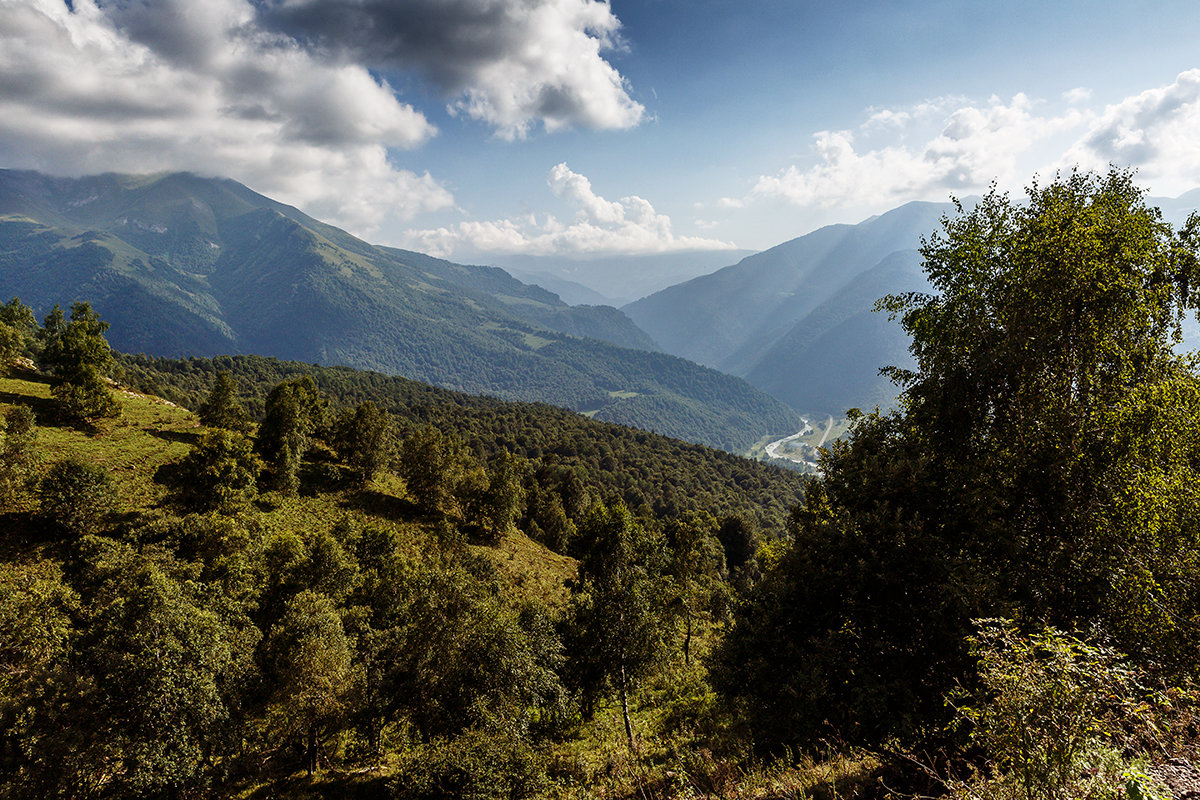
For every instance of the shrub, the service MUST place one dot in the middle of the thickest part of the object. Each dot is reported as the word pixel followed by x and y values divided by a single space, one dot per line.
pixel 1048 715
pixel 75 495
pixel 478 765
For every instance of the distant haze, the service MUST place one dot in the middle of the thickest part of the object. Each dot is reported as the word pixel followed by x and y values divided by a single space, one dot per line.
pixel 615 280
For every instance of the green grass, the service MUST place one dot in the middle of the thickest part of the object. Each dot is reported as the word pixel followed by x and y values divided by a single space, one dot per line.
pixel 149 433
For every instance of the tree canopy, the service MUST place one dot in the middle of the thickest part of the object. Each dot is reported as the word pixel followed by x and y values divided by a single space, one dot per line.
pixel 1039 467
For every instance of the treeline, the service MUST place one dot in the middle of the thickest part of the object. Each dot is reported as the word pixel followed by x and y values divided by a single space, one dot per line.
pixel 651 474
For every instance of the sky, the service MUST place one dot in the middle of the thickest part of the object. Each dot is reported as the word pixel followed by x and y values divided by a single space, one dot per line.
pixel 471 129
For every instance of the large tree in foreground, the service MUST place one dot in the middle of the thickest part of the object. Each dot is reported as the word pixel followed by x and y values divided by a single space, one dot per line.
pixel 79 358
pixel 1041 467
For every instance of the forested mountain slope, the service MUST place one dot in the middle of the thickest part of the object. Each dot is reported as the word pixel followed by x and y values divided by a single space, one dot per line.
pixel 613 462
pixel 182 265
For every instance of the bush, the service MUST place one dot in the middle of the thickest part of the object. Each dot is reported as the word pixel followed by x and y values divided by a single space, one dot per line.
pixel 219 474
pixel 478 765
pixel 1049 714
pixel 76 495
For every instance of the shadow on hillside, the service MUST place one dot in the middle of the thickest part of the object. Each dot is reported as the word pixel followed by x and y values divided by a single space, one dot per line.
pixel 185 437
pixel 44 409
pixel 380 505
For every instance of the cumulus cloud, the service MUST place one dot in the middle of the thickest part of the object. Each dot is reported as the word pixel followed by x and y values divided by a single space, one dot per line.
pixel 1154 130
pixel 510 63
pixel 142 87
pixel 599 226
pixel 293 96
pixel 974 144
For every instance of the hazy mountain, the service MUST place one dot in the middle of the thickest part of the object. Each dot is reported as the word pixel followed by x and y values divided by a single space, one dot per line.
pixel 569 292
pixel 182 265
pixel 829 361
pixel 622 279
pixel 795 320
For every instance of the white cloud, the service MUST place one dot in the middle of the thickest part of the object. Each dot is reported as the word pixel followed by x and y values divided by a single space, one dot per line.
pixel 1155 131
pixel 974 144
pixel 513 64
pixel 180 85
pixel 279 94
pixel 1079 94
pixel 600 226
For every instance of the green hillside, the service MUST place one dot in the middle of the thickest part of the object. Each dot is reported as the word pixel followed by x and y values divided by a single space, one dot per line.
pixel 182 265
pixel 213 646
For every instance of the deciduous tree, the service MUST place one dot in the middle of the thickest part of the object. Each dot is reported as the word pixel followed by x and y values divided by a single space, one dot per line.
pixel 1041 466
pixel 78 357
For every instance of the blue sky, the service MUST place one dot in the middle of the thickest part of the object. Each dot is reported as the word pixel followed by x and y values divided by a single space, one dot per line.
pixel 471 128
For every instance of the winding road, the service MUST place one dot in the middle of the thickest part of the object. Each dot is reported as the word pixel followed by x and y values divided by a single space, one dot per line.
pixel 772 449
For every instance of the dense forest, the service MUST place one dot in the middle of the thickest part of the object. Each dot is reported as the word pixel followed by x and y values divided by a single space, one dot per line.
pixel 246 577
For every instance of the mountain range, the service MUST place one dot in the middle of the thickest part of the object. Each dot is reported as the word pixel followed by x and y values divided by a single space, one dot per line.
pixel 185 265
pixel 796 320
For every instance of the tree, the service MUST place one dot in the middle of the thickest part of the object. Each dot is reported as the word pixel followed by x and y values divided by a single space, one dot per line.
pixel 78 356
pixel 365 439
pixel 222 409
pixel 17 326
pixel 614 627
pixel 312 670
pixel 499 504
pixel 159 665
pixel 295 411
pixel 219 474
pixel 696 569
pixel 1040 467
pixel 436 468
pixel 76 495
pixel 18 454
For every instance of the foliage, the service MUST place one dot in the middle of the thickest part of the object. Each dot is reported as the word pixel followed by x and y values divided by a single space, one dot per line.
pixel 75 495
pixel 499 504
pixel 577 458
pixel 365 438
pixel 614 627
pixel 1042 466
pixel 476 765
pixel 310 661
pixel 222 409
pixel 696 590
pixel 78 356
pixel 36 638
pixel 219 474
pixel 151 635
pixel 1045 715
pixel 17 328
pixel 438 471
pixel 18 454
pixel 295 411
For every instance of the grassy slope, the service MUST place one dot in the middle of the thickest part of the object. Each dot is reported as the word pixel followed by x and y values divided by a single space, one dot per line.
pixel 594 760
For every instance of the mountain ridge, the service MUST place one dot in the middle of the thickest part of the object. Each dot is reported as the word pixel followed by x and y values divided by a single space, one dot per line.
pixel 185 265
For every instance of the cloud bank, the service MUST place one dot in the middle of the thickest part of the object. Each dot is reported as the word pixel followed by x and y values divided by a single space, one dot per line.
pixel 972 145
pixel 626 226
pixel 293 96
